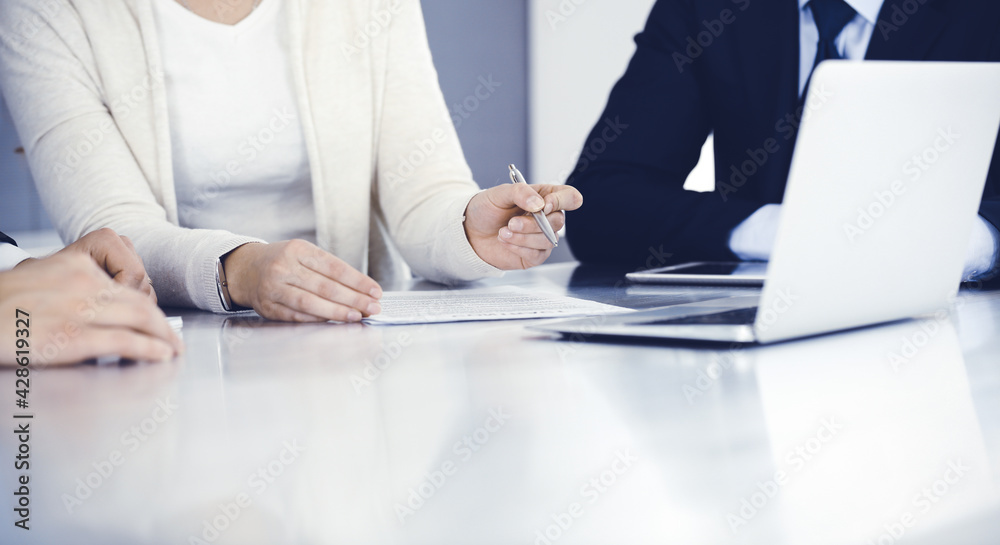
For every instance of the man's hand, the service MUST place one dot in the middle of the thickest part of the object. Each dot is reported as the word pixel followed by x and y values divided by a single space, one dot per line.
pixel 116 255
pixel 296 281
pixel 503 234
pixel 77 313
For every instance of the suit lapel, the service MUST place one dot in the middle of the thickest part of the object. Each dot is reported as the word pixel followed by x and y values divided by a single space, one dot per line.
pixel 900 35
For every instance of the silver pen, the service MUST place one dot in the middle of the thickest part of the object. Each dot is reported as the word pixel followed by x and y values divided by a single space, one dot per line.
pixel 540 219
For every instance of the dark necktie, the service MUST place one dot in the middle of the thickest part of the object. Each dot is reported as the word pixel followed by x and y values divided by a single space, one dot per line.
pixel 831 17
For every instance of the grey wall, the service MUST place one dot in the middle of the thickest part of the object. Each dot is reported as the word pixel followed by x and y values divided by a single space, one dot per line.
pixel 472 40
pixel 20 209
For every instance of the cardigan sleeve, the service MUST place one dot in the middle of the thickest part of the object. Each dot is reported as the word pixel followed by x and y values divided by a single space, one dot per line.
pixel 86 173
pixel 423 181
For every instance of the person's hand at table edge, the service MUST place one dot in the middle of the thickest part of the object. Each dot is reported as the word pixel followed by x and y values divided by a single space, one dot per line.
pixel 117 256
pixel 296 281
pixel 74 312
pixel 501 229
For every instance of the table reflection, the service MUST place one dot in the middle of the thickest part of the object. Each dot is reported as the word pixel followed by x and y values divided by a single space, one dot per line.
pixel 873 435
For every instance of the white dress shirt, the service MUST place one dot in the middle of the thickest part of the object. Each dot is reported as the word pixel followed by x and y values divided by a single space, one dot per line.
pixel 754 238
pixel 10 256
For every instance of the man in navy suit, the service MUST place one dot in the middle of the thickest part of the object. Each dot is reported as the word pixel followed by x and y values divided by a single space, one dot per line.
pixel 739 69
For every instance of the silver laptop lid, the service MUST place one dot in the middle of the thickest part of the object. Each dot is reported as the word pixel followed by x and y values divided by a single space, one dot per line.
pixel 885 184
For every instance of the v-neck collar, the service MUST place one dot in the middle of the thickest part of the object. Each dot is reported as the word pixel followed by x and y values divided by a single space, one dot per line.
pixel 176 10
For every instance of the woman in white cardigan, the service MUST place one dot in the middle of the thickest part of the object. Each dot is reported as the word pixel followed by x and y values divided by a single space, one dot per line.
pixel 273 154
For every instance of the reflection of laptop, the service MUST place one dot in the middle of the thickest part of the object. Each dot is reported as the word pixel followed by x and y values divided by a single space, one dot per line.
pixel 885 183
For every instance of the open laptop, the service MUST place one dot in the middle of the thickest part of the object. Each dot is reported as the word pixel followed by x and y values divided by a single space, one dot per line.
pixel 884 187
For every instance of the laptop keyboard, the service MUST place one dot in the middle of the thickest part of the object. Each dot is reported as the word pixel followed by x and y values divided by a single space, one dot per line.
pixel 740 316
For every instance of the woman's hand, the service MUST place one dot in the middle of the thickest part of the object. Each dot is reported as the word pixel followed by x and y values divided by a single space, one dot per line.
pixel 503 234
pixel 78 313
pixel 296 281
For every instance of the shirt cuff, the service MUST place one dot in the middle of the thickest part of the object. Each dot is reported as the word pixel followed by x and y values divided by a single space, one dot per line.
pixel 982 259
pixel 753 239
pixel 11 256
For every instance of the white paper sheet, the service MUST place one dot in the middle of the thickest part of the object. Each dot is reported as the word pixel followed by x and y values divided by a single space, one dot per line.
pixel 483 304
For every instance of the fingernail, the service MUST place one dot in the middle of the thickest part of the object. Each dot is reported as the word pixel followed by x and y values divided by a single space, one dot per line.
pixel 353 316
pixel 505 233
pixel 548 208
pixel 536 204
pixel 376 293
pixel 374 308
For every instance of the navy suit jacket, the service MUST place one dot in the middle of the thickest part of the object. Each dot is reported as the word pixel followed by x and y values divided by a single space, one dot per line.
pixel 743 86
pixel 6 239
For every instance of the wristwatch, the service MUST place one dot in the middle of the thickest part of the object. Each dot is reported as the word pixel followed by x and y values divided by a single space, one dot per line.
pixel 222 285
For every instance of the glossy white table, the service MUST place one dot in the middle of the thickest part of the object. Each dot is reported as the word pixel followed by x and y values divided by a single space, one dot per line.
pixel 269 433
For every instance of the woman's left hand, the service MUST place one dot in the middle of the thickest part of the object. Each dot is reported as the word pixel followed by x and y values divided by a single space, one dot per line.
pixel 503 232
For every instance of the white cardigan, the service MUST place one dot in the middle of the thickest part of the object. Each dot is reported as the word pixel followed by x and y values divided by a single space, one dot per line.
pixel 84 83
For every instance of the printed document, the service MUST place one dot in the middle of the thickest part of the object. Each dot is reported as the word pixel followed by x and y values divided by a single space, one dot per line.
pixel 482 304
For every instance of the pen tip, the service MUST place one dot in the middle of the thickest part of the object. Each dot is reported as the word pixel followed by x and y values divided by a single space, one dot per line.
pixel 512 166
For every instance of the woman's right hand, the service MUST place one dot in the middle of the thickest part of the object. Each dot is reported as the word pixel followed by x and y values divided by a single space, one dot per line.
pixel 296 281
